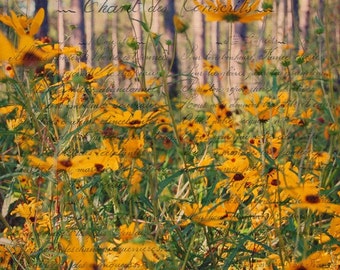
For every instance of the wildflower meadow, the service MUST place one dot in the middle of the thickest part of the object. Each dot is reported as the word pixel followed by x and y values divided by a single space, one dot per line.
pixel 189 134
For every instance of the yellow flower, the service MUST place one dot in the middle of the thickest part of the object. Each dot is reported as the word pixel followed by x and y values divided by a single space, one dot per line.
pixel 133 146
pixel 40 164
pixel 334 228
pixel 28 53
pixel 319 158
pixel 205 90
pixel 315 261
pixel 235 164
pixel 218 11
pixel 58 121
pixel 139 249
pixel 212 69
pixel 263 108
pixel 212 215
pixel 64 95
pixel 110 257
pixel 8 109
pixel 141 96
pixel 5 257
pixel 27 210
pixel 93 162
pixel 128 119
pixel 127 233
pixel 135 180
pixel 82 253
pixel 308 198
pixel 6 71
pixel 93 74
pixel 180 26
pixel 23 25
pixel 126 70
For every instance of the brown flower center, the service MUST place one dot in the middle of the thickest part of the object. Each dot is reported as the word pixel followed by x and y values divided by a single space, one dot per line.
pixel 66 163
pixel 275 182
pixel 238 177
pixel 134 122
pixel 313 198
pixel 99 167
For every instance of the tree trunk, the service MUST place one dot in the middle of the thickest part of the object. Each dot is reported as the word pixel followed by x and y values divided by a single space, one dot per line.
pixel 61 36
pixel 295 23
pixel 78 23
pixel 90 38
pixel 43 32
pixel 170 35
pixel 305 7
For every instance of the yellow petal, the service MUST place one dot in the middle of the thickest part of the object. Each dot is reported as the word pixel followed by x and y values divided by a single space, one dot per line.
pixel 37 21
pixel 7 50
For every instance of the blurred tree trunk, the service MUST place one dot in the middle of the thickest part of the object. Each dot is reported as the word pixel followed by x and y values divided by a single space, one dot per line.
pixel 198 24
pixel 215 40
pixel 115 49
pixel 170 35
pixel 43 32
pixel 305 10
pixel 61 36
pixel 78 37
pixel 295 23
pixel 90 37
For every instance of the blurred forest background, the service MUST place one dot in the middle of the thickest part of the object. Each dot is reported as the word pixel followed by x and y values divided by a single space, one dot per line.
pixel 102 28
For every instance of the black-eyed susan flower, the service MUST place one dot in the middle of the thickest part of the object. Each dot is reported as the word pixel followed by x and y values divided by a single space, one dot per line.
pixel 80 250
pixel 22 24
pixel 212 69
pixel 141 96
pixel 316 261
pixel 24 139
pixel 235 164
pixel 212 215
pixel 134 181
pixel 132 249
pixel 43 165
pixel 129 119
pixel 91 74
pixel 308 197
pixel 92 162
pixel 133 146
pixel 205 90
pixel 263 107
pixel 27 210
pixel 28 52
pixel 5 257
pixel 220 11
pixel 6 71
pixel 126 70
pixel 319 158
pixel 139 248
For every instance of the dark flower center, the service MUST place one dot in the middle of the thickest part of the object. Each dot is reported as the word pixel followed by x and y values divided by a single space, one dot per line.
pixel 238 177
pixel 66 163
pixel 300 267
pixel 30 59
pixel 275 182
pixel 229 114
pixel 135 122
pixel 99 167
pixel 313 198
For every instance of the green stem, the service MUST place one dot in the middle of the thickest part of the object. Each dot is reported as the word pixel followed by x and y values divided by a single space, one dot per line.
pixel 192 240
